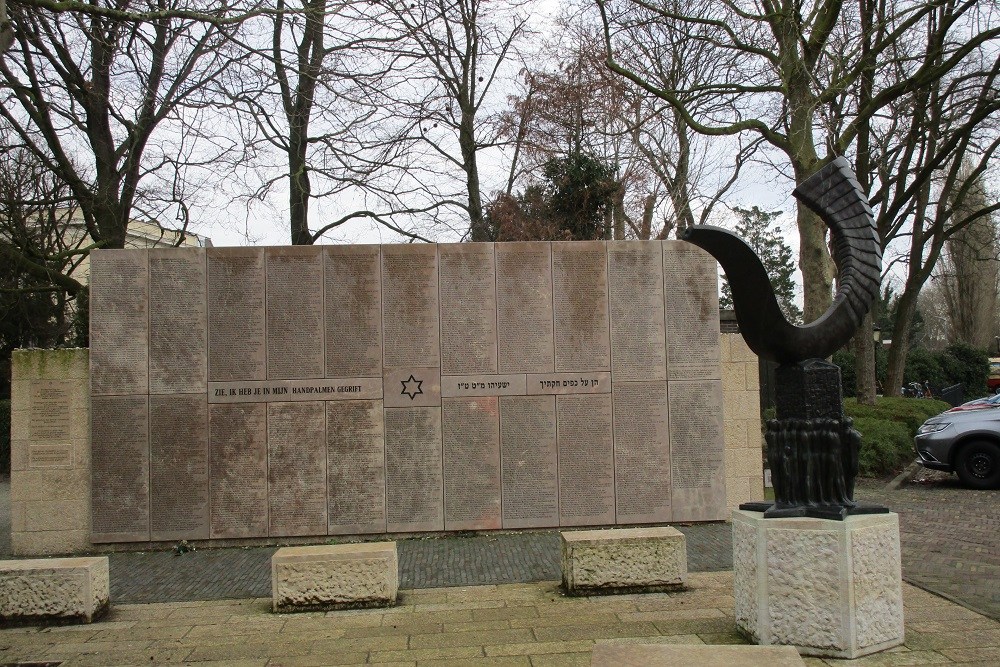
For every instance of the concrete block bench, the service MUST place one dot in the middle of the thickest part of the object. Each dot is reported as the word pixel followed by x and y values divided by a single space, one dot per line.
pixel 49 591
pixel 675 655
pixel 340 576
pixel 623 560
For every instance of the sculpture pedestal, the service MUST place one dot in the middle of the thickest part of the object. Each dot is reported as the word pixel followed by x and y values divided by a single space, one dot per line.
pixel 829 588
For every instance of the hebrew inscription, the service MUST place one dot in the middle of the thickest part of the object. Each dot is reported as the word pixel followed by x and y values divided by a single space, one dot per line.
pixel 242 393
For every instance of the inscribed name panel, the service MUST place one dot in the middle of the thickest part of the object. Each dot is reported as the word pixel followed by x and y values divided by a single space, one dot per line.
pixel 238 470
pixel 178 467
pixel 119 333
pixel 410 306
pixel 119 469
pixel 638 335
pixel 236 318
pixel 642 452
pixel 586 460
pixel 296 469
pixel 691 299
pixel 698 478
pixel 468 308
pixel 580 306
pixel 471 435
pixel 295 322
pixel 524 308
pixel 178 320
pixel 414 484
pixel 355 446
pixel 529 461
pixel 353 293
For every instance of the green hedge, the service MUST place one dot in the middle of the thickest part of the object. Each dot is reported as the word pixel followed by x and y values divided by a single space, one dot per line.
pixel 910 411
pixel 887 429
pixel 5 437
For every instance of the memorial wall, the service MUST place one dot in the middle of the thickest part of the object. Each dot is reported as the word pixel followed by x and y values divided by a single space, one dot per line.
pixel 331 390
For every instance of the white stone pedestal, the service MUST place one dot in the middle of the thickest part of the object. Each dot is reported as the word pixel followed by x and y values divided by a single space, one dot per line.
pixel 829 588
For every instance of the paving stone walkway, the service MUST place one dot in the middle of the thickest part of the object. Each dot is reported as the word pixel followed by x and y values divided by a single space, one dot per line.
pixel 524 625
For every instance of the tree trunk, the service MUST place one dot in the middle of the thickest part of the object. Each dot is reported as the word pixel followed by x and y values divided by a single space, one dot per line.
pixel 864 354
pixel 298 192
pixel 900 348
pixel 478 230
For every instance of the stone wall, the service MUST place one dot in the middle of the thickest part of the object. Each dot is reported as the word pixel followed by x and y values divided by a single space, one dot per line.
pixel 50 452
pixel 741 407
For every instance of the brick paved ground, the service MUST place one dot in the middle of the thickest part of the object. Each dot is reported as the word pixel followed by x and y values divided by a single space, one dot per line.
pixel 220 574
pixel 950 537
pixel 530 625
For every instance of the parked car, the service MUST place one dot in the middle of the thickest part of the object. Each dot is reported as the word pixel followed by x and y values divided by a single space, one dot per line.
pixel 978 404
pixel 993 381
pixel 966 442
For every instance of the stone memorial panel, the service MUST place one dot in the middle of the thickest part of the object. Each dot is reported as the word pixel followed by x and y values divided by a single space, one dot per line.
pixel 635 284
pixel 353 311
pixel 642 452
pixel 456 386
pixel 592 382
pixel 238 470
pixel 698 480
pixel 414 484
pixel 270 391
pixel 236 348
pixel 586 460
pixel 50 456
pixel 471 435
pixel 412 387
pixel 355 445
pixel 52 405
pixel 692 312
pixel 295 322
pixel 580 306
pixel 296 469
pixel 524 308
pixel 178 467
pixel 119 469
pixel 178 321
pixel 529 461
pixel 119 346
pixel 468 308
pixel 410 306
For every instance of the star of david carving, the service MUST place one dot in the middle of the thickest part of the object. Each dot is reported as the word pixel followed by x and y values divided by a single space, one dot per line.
pixel 411 387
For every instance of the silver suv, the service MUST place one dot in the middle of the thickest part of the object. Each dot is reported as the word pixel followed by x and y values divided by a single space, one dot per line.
pixel 963 440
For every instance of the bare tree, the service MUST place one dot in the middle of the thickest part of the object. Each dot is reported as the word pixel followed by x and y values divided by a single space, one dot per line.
pixel 89 94
pixel 784 65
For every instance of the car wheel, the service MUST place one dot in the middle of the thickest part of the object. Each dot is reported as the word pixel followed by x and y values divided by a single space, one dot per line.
pixel 978 465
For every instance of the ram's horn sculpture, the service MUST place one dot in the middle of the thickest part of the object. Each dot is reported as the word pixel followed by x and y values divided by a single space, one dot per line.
pixel 835 195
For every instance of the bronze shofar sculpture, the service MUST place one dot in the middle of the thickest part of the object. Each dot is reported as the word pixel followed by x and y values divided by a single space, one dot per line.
pixel 812 446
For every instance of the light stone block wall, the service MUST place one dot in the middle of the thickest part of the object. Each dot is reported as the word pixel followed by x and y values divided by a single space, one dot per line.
pixel 744 444
pixel 53 590
pixel 340 576
pixel 623 560
pixel 50 452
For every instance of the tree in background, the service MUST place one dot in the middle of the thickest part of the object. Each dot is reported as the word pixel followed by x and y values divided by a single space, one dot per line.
pixel 970 273
pixel 760 230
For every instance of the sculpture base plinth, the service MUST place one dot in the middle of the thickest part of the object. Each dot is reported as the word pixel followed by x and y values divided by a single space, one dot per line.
pixel 828 588
pixel 835 512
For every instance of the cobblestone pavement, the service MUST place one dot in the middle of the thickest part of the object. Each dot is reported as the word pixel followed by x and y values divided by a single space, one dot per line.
pixel 950 537
pixel 527 625
pixel 219 574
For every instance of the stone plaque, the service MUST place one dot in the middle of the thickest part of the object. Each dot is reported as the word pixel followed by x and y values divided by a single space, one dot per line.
pixel 471 434
pixel 50 456
pixel 296 469
pixel 178 467
pixel 119 351
pixel 119 469
pixel 698 489
pixel 412 387
pixel 410 306
pixel 692 312
pixel 642 452
pixel 586 460
pixel 468 308
pixel 529 461
pixel 52 405
pixel 453 386
pixel 524 308
pixel 353 311
pixel 269 391
pixel 635 285
pixel 178 321
pixel 355 446
pixel 236 314
pixel 569 383
pixel 238 470
pixel 414 485
pixel 580 306
pixel 295 322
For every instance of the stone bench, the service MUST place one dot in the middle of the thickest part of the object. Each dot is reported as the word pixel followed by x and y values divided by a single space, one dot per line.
pixel 623 560
pixel 47 591
pixel 340 576
pixel 674 655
